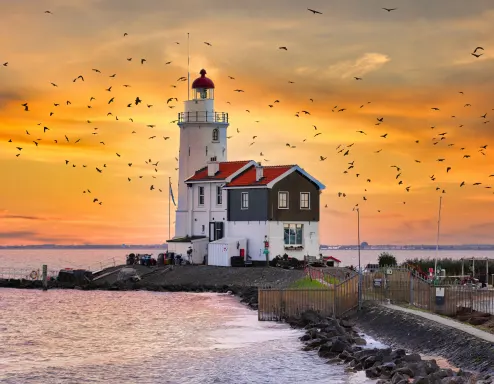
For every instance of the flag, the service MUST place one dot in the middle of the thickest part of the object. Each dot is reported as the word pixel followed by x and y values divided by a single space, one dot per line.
pixel 171 194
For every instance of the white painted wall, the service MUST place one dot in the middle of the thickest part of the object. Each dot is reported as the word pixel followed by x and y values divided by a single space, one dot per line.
pixel 210 211
pixel 310 239
pixel 199 250
pixel 254 232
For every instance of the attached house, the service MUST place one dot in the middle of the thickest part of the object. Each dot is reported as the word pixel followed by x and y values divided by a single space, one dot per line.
pixel 277 205
pixel 242 202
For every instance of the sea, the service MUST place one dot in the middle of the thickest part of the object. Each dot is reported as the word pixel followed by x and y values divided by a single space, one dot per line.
pixel 95 259
pixel 71 336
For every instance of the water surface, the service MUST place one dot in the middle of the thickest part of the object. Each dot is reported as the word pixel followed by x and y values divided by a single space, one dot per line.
pixel 70 336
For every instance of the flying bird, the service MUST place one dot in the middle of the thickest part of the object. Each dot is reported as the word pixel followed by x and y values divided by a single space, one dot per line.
pixel 314 11
pixel 390 9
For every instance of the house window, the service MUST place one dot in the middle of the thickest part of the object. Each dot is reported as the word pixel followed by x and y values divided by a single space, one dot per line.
pixel 219 195
pixel 293 234
pixel 216 134
pixel 245 200
pixel 304 200
pixel 201 195
pixel 283 200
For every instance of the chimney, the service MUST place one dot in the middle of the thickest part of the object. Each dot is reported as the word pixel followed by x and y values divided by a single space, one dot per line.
pixel 259 172
pixel 213 167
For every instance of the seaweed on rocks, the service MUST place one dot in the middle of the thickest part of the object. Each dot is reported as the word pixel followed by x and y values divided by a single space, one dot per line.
pixel 337 341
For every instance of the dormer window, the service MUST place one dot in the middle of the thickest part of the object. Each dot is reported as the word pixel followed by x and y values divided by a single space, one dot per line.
pixel 216 134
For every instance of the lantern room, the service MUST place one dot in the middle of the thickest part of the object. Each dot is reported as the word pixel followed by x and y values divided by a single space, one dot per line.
pixel 203 87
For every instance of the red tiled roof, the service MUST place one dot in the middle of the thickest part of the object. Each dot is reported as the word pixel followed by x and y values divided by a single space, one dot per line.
pixel 332 258
pixel 248 178
pixel 226 169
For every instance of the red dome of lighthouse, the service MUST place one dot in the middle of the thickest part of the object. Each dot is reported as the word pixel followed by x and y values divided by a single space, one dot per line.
pixel 203 81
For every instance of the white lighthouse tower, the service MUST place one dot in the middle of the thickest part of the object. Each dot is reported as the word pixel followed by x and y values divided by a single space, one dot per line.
pixel 202 139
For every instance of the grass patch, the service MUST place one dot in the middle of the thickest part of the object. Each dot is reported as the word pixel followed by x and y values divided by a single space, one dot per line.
pixel 331 280
pixel 307 283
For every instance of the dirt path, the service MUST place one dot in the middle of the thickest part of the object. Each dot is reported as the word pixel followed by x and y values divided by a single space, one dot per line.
pixel 445 321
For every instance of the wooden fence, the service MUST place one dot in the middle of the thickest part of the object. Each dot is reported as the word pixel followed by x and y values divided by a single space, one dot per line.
pixel 335 300
pixel 395 285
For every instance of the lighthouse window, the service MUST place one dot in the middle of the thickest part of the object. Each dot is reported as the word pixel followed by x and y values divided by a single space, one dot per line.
pixel 204 93
pixel 201 196
pixel 219 195
pixel 216 134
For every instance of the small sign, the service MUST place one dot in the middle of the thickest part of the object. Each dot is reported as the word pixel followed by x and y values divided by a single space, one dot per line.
pixel 439 292
pixel 440 299
pixel 378 283
pixel 389 271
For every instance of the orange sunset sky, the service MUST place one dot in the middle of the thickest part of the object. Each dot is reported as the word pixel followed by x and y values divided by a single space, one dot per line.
pixel 412 59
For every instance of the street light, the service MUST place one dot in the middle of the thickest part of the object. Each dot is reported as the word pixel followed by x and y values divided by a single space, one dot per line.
pixel 359 266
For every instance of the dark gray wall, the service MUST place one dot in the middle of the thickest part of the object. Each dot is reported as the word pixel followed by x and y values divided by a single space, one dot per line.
pixel 258 205
pixel 294 183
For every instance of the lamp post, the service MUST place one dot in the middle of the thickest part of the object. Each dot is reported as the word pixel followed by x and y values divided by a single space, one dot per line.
pixel 437 239
pixel 359 266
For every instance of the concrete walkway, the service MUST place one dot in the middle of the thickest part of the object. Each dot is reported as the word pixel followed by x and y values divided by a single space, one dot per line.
pixel 447 322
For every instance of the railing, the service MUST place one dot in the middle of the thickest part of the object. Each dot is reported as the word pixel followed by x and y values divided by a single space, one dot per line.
pixel 202 117
pixel 25 274
pixel 278 304
pixel 108 263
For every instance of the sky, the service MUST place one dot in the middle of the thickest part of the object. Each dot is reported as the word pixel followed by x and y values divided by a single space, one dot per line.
pixel 410 60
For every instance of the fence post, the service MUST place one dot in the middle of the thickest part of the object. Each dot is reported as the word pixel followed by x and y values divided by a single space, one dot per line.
pixel 45 277
pixel 411 290
pixel 359 290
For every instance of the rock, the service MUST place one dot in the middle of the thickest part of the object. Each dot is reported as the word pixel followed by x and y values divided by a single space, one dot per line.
pixel 372 373
pixel 404 371
pixel 360 341
pixel 339 346
pixel 346 324
pixel 414 357
pixel 422 380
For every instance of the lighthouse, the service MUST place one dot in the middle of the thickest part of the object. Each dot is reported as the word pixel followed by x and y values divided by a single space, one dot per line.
pixel 202 141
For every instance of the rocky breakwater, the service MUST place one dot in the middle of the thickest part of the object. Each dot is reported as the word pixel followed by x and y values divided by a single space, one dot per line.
pixel 340 343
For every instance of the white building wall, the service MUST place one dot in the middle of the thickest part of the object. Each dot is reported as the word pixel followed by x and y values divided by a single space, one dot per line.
pixel 310 239
pixel 254 232
pixel 201 216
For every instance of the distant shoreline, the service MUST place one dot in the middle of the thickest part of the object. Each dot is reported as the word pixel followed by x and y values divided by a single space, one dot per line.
pixel 384 247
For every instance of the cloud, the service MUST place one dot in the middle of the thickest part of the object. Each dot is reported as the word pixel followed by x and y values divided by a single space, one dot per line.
pixel 22 217
pixel 367 63
pixel 17 235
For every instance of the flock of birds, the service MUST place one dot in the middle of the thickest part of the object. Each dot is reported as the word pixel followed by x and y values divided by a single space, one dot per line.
pixel 344 150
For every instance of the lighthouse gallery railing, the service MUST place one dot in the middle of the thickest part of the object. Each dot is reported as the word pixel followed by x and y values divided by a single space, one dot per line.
pixel 203 117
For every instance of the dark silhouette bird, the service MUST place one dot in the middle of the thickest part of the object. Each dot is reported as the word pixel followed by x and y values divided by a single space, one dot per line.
pixel 384 136
pixel 476 49
pixel 137 101
pixel 314 12
pixel 283 48
pixel 390 9
pixel 208 43
pixel 143 61
pixel 357 78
